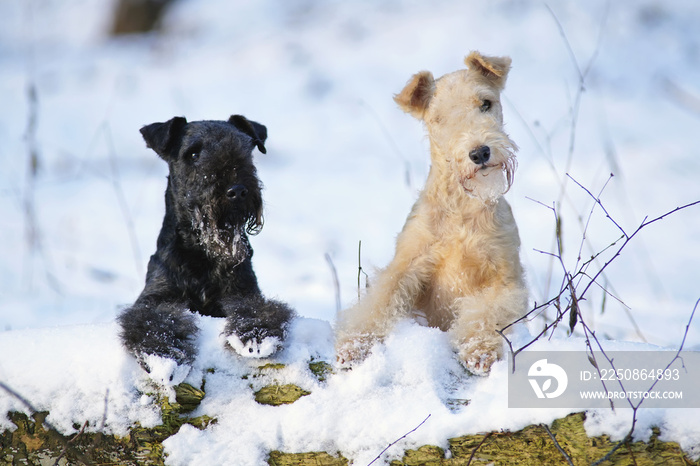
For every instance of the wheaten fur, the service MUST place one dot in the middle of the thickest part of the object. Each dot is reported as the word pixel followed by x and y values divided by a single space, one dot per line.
pixel 457 264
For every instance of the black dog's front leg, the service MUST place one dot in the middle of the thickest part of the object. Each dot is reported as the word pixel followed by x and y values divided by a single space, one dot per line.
pixel 256 327
pixel 162 336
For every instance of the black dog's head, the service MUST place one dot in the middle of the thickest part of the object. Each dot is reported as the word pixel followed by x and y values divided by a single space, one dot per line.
pixel 213 188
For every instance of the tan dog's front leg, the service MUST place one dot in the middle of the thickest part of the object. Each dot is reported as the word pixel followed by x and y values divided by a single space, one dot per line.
pixel 391 296
pixel 474 332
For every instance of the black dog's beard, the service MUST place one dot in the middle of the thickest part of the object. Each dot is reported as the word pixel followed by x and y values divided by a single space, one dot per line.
pixel 222 241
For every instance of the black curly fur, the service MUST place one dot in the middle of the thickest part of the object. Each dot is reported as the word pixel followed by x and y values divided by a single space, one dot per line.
pixel 256 318
pixel 203 257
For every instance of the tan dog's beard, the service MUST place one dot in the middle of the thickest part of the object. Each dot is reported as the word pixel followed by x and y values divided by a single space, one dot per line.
pixel 489 181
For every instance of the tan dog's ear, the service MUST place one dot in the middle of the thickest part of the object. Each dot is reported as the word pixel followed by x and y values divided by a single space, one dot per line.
pixel 495 69
pixel 415 97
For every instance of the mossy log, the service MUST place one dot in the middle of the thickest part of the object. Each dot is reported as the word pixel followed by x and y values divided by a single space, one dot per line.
pixel 33 443
pixel 531 446
pixel 534 446
pixel 278 458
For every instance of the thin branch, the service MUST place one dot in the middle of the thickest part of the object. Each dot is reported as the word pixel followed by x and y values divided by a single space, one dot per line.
pixel 32 410
pixel 577 99
pixel 539 202
pixel 471 457
pixel 68 443
pixel 681 97
pixel 597 201
pixel 624 441
pixel 635 407
pixel 562 33
pixel 678 353
pixel 32 231
pixel 392 143
pixel 568 285
pixel 359 269
pixel 398 440
pixel 556 444
pixel 644 224
pixel 121 198
pixel 336 283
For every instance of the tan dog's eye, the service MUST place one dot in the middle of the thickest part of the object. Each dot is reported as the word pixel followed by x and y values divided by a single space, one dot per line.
pixel 485 106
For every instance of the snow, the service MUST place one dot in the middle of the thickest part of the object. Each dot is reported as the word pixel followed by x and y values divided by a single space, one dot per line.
pixel 343 164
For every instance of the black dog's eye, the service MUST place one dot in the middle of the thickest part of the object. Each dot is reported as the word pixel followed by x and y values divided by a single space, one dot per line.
pixel 192 153
pixel 485 106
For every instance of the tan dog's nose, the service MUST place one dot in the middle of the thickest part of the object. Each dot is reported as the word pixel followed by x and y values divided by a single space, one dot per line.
pixel 480 155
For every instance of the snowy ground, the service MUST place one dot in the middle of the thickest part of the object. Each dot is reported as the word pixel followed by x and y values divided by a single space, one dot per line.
pixel 343 165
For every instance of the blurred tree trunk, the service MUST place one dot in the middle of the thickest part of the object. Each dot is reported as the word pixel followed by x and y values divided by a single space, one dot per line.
pixel 138 16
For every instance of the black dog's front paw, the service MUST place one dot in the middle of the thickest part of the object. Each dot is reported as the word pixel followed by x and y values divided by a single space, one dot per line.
pixel 165 330
pixel 163 370
pixel 256 327
pixel 256 346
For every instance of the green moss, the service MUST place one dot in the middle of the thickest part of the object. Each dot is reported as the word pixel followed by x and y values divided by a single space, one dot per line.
pixel 33 444
pixel 277 458
pixel 428 455
pixel 321 370
pixel 533 446
pixel 276 395
pixel 188 397
pixel 272 366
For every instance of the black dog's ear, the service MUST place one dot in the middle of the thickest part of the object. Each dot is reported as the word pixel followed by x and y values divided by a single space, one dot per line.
pixel 161 136
pixel 252 128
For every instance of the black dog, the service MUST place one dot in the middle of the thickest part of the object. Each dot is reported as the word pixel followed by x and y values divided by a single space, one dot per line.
pixel 202 261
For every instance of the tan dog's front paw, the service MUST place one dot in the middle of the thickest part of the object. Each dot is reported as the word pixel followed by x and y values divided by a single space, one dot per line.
pixel 479 363
pixel 352 350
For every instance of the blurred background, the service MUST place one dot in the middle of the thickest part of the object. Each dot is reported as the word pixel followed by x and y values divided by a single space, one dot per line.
pixel 596 88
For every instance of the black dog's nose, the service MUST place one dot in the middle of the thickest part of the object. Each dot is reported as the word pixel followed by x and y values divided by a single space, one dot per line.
pixel 480 155
pixel 237 191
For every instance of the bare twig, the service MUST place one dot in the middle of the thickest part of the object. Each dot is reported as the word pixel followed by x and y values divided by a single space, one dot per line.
pixel 68 443
pixel 624 441
pixel 573 114
pixel 33 237
pixel 105 411
pixel 392 143
pixel 681 97
pixel 581 75
pixel 360 270
pixel 30 224
pixel 97 440
pixel 398 440
pixel 336 284
pixel 476 448
pixel 644 224
pixel 556 444
pixel 592 278
pixel 577 281
pixel 32 410
pixel 597 201
pixel 121 198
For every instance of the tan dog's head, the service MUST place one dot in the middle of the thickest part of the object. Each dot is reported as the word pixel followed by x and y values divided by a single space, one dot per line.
pixel 464 118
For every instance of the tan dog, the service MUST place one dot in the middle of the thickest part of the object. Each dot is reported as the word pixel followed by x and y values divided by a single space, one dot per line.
pixel 457 261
